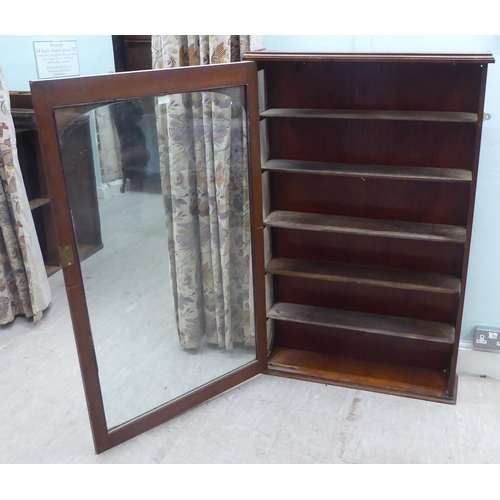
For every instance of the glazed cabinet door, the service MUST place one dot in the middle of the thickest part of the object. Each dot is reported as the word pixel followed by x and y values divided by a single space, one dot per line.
pixel 152 177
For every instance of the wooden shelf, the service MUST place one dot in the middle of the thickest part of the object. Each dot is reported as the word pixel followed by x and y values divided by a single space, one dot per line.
pixel 85 250
pixel 369 171
pixel 392 278
pixel 24 119
pixel 378 377
pixel 371 323
pixel 361 114
pixel 360 226
pixel 39 202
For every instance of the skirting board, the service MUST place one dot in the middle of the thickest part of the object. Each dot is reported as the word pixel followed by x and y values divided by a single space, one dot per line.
pixel 476 362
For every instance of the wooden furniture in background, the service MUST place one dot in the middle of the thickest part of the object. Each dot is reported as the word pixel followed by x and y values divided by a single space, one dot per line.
pixel 79 173
pixel 86 213
pixel 369 171
pixel 31 163
pixel 132 52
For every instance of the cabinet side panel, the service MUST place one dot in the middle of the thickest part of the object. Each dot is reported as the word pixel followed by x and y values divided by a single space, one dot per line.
pixel 474 167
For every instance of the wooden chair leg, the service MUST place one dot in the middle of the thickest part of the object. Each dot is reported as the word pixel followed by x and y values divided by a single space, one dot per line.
pixel 122 189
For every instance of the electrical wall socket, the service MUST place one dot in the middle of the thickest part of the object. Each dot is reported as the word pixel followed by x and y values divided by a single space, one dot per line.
pixel 487 339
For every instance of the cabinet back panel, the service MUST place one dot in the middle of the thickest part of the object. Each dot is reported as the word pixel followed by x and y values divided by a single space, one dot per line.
pixel 424 256
pixel 363 346
pixel 413 304
pixel 432 202
pixel 350 85
pixel 373 142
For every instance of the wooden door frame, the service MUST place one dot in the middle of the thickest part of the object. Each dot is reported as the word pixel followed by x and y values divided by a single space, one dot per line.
pixel 93 91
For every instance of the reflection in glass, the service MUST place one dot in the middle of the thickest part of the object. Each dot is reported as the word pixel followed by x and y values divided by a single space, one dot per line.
pixel 159 193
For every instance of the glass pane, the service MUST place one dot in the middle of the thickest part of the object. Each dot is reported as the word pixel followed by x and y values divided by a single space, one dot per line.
pixel 159 194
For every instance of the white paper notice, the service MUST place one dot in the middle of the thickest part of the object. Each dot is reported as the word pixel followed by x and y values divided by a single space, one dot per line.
pixel 56 59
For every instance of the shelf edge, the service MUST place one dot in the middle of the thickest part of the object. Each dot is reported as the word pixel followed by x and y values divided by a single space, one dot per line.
pixel 448 337
pixel 430 174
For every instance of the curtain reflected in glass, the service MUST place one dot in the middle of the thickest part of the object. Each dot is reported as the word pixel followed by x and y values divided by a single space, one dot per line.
pixel 159 193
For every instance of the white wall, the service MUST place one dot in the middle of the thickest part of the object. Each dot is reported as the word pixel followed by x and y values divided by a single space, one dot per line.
pixel 482 298
pixel 17 57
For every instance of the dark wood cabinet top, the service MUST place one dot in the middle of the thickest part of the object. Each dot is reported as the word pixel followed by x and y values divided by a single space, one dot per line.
pixel 266 55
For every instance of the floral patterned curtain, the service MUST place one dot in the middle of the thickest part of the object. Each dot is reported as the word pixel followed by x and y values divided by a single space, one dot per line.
pixel 24 287
pixel 170 51
pixel 204 168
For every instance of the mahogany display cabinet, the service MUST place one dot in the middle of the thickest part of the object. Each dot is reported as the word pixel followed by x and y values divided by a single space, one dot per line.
pixel 369 170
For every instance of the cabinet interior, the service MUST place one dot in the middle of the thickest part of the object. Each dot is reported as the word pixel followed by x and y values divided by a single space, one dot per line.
pixel 369 167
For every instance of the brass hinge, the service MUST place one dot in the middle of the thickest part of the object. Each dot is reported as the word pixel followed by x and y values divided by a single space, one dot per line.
pixel 66 255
